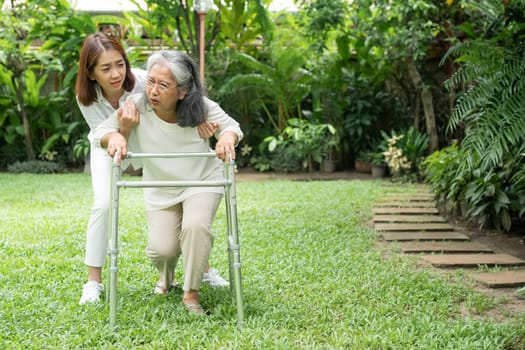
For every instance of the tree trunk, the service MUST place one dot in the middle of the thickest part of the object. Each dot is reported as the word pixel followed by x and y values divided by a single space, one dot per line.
pixel 25 121
pixel 428 104
pixel 417 111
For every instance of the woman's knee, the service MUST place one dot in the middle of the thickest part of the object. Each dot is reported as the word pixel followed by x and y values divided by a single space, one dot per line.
pixel 164 249
pixel 198 231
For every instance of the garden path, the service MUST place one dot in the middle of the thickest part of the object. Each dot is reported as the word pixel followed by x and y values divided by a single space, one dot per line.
pixel 452 244
pixel 446 245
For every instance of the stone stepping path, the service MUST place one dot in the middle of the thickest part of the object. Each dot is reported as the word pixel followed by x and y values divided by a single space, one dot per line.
pixel 414 223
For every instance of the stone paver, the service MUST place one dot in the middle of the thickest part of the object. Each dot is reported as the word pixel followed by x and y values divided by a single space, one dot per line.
pixel 443 247
pixel 408 218
pixel 397 204
pixel 408 198
pixel 406 210
pixel 472 260
pixel 501 279
pixel 425 236
pixel 414 227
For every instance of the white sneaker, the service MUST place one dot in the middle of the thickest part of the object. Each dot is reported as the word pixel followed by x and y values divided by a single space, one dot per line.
pixel 213 278
pixel 91 292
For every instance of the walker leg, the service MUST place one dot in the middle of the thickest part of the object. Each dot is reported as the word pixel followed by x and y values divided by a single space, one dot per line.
pixel 234 256
pixel 113 246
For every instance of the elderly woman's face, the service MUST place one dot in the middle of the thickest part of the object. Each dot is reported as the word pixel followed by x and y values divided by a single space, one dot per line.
pixel 162 90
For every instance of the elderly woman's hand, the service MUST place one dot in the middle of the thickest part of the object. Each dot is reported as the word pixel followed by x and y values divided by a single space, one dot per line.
pixel 116 145
pixel 225 147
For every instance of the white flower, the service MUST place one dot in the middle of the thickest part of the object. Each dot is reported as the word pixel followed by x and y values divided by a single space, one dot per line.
pixel 246 150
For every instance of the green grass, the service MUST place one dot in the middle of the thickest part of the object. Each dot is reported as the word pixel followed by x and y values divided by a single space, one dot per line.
pixel 312 277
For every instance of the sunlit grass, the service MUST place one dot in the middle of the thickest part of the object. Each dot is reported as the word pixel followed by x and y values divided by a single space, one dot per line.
pixel 312 277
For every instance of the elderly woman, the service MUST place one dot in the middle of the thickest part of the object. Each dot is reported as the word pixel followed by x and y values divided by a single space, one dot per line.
pixel 179 220
pixel 104 82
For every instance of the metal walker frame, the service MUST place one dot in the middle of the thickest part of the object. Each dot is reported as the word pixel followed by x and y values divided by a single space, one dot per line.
pixel 231 217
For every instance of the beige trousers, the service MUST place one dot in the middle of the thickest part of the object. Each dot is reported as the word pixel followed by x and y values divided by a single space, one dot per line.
pixel 184 229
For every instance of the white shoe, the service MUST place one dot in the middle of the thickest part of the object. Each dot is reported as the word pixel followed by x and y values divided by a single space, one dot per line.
pixel 91 292
pixel 213 278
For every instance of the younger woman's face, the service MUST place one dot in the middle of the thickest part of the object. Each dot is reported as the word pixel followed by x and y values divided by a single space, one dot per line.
pixel 110 72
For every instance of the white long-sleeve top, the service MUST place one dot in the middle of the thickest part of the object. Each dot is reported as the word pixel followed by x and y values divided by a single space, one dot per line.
pixel 101 109
pixel 153 135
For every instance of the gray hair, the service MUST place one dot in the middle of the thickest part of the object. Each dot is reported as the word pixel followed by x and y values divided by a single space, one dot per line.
pixel 191 110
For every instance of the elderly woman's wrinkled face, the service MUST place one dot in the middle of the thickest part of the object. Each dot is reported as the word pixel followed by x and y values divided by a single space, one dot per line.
pixel 162 91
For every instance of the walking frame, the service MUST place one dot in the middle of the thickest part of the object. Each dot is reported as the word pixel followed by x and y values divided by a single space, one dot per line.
pixel 231 217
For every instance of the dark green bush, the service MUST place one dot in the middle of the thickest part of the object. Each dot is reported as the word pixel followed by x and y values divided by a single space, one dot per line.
pixel 492 197
pixel 36 167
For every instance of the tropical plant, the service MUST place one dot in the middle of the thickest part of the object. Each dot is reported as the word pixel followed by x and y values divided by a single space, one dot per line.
pixel 17 61
pixel 37 68
pixel 488 116
pixel 177 23
pixel 283 80
pixel 242 22
pixel 405 152
pixel 415 24
pixel 491 110
pixel 378 158
pixel 309 142
pixel 446 176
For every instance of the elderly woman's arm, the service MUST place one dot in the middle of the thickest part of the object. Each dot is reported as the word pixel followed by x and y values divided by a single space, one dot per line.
pixel 228 133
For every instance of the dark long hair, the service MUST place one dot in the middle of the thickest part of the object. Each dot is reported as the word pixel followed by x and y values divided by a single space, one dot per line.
pixel 94 45
pixel 191 110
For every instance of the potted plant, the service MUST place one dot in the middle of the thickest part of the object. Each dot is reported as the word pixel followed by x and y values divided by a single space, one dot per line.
pixel 329 161
pixel 379 165
pixel 363 163
pixel 310 142
pixel 330 147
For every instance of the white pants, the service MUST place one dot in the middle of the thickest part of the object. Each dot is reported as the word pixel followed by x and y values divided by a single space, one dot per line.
pixel 184 229
pixel 98 225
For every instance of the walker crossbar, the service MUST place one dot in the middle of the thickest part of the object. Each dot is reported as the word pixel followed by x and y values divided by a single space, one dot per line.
pixel 231 218
pixel 173 183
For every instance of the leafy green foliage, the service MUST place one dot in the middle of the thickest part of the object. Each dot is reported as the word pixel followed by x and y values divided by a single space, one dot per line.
pixel 308 142
pixel 312 277
pixel 404 152
pixel 241 22
pixel 458 179
pixel 37 71
pixel 283 80
pixel 489 118
pixel 443 171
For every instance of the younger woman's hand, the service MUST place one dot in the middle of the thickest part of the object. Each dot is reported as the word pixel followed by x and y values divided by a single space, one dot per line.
pixel 207 129
pixel 128 116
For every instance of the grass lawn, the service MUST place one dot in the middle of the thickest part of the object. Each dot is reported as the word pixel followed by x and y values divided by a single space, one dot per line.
pixel 312 277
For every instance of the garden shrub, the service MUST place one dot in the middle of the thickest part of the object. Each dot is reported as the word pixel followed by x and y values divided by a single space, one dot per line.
pixel 36 167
